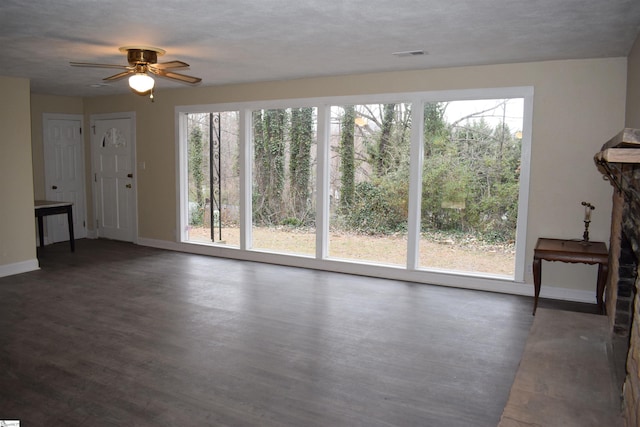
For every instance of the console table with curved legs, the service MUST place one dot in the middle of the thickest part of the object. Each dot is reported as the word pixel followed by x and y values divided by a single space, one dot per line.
pixel 573 251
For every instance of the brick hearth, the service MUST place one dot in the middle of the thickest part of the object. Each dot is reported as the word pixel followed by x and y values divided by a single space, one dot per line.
pixel 619 160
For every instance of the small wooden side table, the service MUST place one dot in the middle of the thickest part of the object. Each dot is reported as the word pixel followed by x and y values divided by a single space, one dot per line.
pixel 573 251
pixel 47 207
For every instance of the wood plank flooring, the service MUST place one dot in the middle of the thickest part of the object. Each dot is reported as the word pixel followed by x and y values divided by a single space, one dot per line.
pixel 117 334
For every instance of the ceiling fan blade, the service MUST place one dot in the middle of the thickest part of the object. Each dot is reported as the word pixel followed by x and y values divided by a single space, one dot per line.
pixel 170 64
pixel 176 76
pixel 92 65
pixel 118 76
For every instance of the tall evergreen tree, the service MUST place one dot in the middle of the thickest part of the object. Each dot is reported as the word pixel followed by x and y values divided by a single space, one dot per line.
pixel 197 173
pixel 347 159
pixel 435 127
pixel 300 163
pixel 259 172
pixel 269 148
pixel 382 162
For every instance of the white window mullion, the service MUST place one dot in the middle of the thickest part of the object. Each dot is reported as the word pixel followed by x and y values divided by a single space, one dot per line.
pixel 183 182
pixel 246 155
pixel 523 196
pixel 415 183
pixel 322 183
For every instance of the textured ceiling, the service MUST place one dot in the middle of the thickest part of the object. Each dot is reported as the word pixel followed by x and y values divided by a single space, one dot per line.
pixel 234 41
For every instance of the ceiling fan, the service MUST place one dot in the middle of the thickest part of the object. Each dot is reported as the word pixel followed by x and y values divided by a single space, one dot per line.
pixel 143 60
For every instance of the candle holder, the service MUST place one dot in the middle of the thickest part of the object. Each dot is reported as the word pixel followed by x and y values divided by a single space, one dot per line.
pixel 588 207
pixel 585 235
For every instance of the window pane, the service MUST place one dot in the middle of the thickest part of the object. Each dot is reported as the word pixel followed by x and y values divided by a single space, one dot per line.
pixel 369 182
pixel 284 163
pixel 214 178
pixel 470 185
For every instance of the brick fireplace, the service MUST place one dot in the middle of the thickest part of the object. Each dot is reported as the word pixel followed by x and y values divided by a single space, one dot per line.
pixel 619 161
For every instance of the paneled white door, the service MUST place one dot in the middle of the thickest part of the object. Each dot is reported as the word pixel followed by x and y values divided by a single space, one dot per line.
pixel 113 152
pixel 64 173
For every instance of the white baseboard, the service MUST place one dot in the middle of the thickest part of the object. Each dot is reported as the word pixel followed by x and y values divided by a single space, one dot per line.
pixel 160 244
pixel 440 279
pixel 577 295
pixel 19 267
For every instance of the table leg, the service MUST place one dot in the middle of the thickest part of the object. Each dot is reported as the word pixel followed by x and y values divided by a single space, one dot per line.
pixel 603 270
pixel 537 271
pixel 70 221
pixel 40 232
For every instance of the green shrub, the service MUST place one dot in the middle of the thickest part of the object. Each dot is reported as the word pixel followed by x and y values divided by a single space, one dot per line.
pixel 377 209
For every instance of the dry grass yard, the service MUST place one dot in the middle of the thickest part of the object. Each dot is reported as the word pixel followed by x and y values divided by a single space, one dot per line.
pixel 435 251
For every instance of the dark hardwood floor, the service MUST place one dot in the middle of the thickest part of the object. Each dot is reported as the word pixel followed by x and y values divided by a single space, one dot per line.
pixel 117 334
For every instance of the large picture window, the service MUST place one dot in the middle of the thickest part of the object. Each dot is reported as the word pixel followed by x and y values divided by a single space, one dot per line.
pixel 283 177
pixel 369 182
pixel 212 178
pixel 419 186
pixel 471 184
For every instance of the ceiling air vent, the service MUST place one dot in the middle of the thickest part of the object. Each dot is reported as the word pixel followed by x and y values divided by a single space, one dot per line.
pixel 405 53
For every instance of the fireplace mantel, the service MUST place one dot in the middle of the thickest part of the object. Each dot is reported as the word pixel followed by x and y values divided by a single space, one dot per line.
pixel 622 149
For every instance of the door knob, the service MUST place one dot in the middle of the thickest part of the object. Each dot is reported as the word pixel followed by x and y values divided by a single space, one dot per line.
pixel 129 175
pixel 128 185
pixel 54 187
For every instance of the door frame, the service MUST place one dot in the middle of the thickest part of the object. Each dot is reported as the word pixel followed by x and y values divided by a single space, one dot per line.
pixel 79 233
pixel 131 116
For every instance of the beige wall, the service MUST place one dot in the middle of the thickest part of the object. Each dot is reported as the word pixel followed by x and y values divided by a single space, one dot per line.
pixel 578 105
pixel 633 87
pixel 17 223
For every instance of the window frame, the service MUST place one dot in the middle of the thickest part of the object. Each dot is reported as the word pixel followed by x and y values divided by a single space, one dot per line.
pixel 321 261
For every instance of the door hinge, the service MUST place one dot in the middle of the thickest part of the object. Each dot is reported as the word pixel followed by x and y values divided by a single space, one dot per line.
pixel 84 223
pixel 80 131
pixel 97 223
pixel 95 177
pixel 94 129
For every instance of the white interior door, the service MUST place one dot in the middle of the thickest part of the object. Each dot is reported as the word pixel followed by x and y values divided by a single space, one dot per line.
pixel 64 173
pixel 113 152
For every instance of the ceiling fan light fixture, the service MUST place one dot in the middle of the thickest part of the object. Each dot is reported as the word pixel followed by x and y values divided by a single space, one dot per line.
pixel 143 63
pixel 141 83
